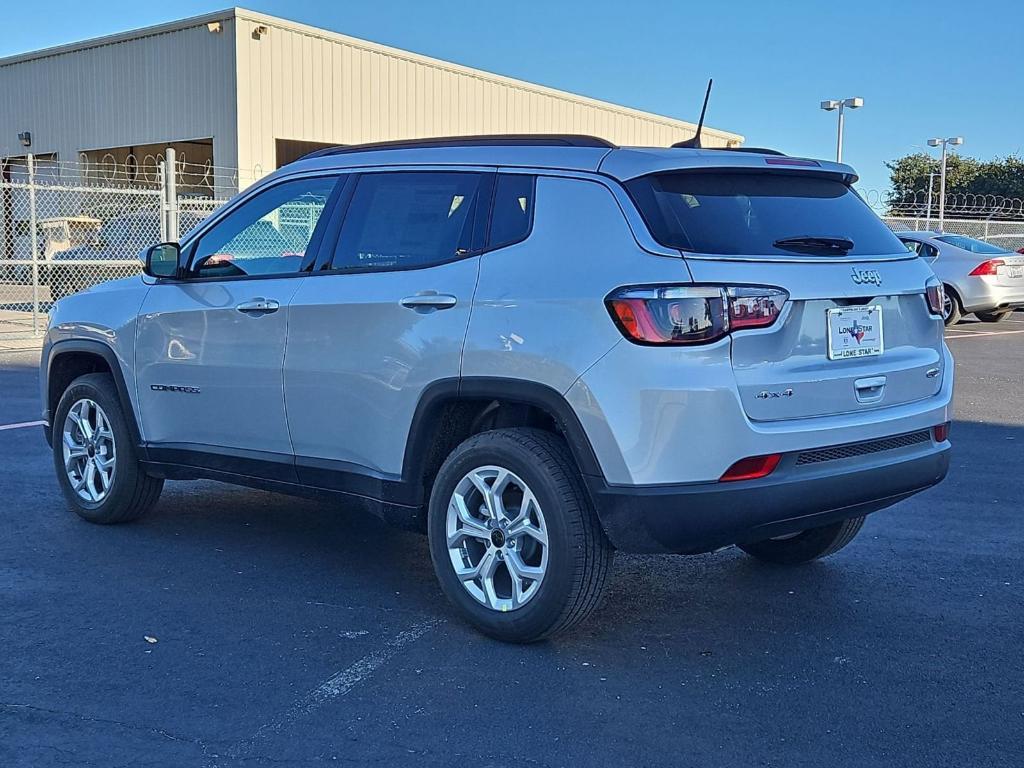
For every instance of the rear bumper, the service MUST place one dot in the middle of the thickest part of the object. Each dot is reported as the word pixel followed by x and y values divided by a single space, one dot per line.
pixel 705 516
pixel 983 296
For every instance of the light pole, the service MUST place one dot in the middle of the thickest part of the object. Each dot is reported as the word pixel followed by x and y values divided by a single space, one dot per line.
pixel 944 143
pixel 841 104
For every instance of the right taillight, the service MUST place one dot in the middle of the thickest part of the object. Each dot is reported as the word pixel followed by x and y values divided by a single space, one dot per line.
pixel 935 294
pixel 692 314
pixel 990 267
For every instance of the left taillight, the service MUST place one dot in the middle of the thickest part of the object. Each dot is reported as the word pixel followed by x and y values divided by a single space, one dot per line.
pixel 935 294
pixel 692 314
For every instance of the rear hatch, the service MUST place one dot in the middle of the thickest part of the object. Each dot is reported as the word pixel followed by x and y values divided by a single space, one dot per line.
pixel 856 333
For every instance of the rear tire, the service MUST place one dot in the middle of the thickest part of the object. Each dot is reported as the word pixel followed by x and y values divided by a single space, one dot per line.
pixel 97 467
pixel 812 544
pixel 567 571
pixel 992 317
pixel 952 312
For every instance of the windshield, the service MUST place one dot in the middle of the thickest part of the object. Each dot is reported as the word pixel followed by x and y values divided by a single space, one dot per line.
pixel 972 245
pixel 744 213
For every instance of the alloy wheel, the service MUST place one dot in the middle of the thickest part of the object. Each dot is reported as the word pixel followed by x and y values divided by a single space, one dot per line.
pixel 89 451
pixel 497 538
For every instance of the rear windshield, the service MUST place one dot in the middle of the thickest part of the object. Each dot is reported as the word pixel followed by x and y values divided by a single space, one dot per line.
pixel 972 245
pixel 750 213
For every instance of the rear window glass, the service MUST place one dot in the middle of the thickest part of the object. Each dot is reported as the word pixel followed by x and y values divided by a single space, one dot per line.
pixel 970 244
pixel 742 213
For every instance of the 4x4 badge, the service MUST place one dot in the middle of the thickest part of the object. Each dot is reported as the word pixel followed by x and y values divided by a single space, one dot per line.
pixel 862 276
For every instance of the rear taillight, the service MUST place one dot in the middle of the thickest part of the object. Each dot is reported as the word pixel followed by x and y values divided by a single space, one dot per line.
pixel 989 267
pixel 941 432
pixel 696 314
pixel 935 294
pixel 751 468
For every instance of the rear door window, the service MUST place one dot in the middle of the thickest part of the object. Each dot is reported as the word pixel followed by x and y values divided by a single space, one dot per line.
pixel 408 220
pixel 745 213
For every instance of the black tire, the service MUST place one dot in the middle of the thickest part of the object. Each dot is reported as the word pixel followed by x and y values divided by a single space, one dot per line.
pixel 812 544
pixel 992 317
pixel 132 492
pixel 579 554
pixel 956 310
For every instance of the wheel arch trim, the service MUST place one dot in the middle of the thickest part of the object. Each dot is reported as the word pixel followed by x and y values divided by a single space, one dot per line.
pixel 110 358
pixel 452 390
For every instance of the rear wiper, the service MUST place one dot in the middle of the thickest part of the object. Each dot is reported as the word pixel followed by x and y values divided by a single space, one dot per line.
pixel 815 243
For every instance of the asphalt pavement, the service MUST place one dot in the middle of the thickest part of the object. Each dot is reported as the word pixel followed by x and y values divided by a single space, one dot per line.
pixel 234 627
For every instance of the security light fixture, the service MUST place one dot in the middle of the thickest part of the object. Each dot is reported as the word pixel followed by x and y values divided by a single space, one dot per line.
pixel 830 105
pixel 954 141
pixel 214 27
pixel 260 31
pixel 25 138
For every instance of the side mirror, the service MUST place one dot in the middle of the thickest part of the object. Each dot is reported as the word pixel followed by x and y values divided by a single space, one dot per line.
pixel 162 260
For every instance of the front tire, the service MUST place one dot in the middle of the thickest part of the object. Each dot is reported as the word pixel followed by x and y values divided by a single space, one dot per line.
pixel 94 454
pixel 812 544
pixel 515 542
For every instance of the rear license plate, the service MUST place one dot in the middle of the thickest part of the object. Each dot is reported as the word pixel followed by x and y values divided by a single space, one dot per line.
pixel 1015 272
pixel 854 332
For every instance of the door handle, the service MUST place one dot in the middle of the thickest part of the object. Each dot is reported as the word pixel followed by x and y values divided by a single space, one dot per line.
pixel 259 306
pixel 429 301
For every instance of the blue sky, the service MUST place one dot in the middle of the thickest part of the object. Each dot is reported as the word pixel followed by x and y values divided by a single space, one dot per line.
pixel 924 68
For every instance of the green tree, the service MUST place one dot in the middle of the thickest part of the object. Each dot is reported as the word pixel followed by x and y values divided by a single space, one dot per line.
pixel 1001 178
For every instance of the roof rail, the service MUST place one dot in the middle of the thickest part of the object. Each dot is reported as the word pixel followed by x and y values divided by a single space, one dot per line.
pixel 753 150
pixel 496 140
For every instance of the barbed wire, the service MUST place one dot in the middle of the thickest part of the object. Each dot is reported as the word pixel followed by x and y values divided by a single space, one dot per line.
pixel 134 172
pixel 965 204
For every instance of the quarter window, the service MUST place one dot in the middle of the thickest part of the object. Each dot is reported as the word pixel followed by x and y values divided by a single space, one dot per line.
pixel 513 209
pixel 267 235
pixel 407 220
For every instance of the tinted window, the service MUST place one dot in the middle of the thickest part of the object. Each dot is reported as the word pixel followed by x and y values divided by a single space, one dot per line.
pixel 747 213
pixel 513 209
pixel 408 220
pixel 970 244
pixel 266 235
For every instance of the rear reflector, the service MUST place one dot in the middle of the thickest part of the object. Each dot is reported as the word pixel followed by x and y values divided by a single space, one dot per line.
pixel 990 267
pixel 751 468
pixel 941 432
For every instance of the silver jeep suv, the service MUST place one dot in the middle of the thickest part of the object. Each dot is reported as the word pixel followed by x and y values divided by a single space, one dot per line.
pixel 536 349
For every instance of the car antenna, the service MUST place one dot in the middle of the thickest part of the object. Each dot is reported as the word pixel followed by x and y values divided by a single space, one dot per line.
pixel 694 143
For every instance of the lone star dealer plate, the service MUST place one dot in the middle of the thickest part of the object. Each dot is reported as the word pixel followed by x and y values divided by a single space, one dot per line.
pixel 854 332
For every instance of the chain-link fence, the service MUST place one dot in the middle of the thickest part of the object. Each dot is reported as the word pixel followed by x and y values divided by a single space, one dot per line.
pixel 63 230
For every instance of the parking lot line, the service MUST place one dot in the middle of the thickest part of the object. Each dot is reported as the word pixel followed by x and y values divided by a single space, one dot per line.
pixel 336 685
pixel 964 334
pixel 21 425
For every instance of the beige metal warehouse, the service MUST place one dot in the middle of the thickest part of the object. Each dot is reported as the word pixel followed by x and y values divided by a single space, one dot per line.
pixel 239 89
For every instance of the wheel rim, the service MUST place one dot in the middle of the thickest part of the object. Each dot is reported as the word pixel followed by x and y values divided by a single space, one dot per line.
pixel 89 455
pixel 497 538
pixel 947 305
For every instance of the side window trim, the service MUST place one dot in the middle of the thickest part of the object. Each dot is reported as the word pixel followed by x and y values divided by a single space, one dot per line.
pixel 340 180
pixel 480 220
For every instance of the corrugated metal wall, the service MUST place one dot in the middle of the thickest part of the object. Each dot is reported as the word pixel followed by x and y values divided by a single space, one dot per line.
pixel 244 90
pixel 298 82
pixel 162 87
